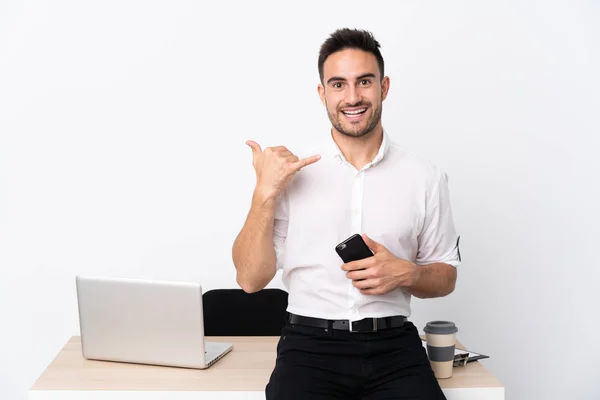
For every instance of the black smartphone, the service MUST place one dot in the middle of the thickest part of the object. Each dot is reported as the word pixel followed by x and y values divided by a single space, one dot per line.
pixel 352 249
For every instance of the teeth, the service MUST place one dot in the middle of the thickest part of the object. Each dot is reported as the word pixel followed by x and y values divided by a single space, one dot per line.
pixel 355 112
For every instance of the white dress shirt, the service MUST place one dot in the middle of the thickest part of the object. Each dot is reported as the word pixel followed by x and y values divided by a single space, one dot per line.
pixel 399 200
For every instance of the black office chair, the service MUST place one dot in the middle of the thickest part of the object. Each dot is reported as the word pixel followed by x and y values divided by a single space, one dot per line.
pixel 233 312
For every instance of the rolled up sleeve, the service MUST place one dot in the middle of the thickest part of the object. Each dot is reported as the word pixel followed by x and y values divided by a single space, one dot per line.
pixel 438 240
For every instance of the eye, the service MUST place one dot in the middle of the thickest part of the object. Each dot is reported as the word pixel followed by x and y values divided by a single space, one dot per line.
pixel 337 85
pixel 365 82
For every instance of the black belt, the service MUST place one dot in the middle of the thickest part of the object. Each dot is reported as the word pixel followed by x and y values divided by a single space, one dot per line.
pixel 361 326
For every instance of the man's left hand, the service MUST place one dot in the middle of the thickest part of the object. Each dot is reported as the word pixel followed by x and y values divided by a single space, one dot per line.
pixel 381 273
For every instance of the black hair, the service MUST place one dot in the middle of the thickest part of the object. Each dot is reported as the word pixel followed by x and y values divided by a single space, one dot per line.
pixel 346 38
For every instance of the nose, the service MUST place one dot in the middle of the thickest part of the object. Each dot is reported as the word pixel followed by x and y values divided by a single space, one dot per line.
pixel 353 96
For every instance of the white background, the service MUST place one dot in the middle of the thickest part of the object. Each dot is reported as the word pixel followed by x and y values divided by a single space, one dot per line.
pixel 122 153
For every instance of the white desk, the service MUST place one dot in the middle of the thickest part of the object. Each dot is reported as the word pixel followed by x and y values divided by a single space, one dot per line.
pixel 241 374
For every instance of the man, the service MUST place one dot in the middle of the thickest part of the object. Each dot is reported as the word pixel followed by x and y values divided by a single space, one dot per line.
pixel 347 336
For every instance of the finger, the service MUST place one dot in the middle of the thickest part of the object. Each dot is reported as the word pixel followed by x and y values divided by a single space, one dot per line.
pixel 359 264
pixel 306 161
pixel 366 284
pixel 359 275
pixel 351 266
pixel 286 154
pixel 256 150
pixel 280 149
pixel 292 159
pixel 373 245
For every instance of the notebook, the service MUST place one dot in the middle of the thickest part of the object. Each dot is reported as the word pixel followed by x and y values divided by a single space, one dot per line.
pixel 462 357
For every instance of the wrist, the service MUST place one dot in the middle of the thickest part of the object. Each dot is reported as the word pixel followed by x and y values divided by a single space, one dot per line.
pixel 262 197
pixel 417 272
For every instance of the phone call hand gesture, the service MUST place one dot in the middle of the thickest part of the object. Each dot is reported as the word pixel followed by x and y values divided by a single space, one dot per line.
pixel 275 167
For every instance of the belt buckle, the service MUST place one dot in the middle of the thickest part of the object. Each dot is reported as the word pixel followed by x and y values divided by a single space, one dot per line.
pixel 351 325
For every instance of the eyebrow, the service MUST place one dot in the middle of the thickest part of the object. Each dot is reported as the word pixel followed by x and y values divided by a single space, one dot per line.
pixel 363 76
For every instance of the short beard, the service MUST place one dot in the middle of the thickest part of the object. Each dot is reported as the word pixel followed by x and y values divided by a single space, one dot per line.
pixel 337 123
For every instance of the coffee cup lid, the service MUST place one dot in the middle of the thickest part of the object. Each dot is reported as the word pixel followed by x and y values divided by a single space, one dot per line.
pixel 440 327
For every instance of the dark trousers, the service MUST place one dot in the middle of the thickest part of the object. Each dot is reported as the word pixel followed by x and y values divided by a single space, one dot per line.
pixel 315 363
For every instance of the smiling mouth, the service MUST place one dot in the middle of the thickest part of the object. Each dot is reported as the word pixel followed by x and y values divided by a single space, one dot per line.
pixel 355 112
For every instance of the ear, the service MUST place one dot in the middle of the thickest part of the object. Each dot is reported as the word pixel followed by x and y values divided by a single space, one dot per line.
pixel 321 90
pixel 385 86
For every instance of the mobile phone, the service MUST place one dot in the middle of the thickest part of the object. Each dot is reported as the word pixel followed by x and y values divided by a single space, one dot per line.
pixel 354 248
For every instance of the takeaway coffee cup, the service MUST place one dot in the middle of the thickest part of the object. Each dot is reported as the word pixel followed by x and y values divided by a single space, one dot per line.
pixel 441 340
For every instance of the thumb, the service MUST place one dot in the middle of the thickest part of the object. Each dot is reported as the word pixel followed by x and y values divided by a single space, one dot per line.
pixel 256 150
pixel 373 245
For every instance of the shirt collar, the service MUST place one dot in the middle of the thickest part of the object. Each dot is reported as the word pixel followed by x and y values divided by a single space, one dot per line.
pixel 337 154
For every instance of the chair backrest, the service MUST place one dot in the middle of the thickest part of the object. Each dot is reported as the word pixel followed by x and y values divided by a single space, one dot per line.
pixel 233 312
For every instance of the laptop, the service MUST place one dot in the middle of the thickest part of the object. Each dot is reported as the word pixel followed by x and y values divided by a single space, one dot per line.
pixel 145 322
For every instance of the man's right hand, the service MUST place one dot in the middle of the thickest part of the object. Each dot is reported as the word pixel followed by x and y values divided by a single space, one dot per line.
pixel 275 167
